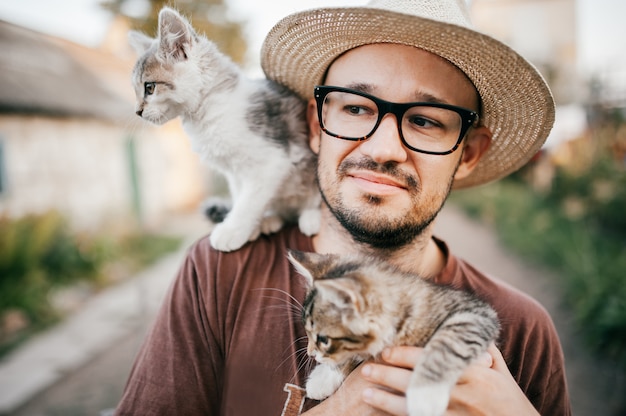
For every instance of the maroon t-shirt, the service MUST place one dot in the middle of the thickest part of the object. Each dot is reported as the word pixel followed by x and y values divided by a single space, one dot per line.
pixel 229 339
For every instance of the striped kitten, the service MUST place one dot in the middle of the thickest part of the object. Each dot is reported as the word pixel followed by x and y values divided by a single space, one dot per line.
pixel 252 131
pixel 357 306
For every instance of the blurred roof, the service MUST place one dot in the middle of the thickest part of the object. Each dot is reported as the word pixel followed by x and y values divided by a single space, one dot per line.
pixel 41 74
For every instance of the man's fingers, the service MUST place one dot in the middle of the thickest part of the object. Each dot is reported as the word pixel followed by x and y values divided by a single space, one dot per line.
pixel 405 357
pixel 485 360
pixel 489 360
pixel 391 378
pixel 498 360
pixel 385 401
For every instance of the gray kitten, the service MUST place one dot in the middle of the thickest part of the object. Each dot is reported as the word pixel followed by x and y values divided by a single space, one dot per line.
pixel 357 306
pixel 252 131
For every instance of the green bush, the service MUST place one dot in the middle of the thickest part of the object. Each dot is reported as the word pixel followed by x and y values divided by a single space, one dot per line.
pixel 600 193
pixel 578 228
pixel 39 254
pixel 142 249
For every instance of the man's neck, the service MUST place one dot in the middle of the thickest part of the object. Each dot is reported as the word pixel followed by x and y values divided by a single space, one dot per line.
pixel 421 256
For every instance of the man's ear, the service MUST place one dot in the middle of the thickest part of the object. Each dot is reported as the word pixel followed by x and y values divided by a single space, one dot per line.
pixel 476 144
pixel 314 126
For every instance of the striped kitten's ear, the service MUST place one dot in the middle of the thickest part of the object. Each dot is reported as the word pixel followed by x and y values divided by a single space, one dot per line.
pixel 300 261
pixel 344 292
pixel 313 266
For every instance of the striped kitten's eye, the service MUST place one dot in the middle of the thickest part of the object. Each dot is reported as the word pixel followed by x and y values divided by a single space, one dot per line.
pixel 323 341
pixel 149 88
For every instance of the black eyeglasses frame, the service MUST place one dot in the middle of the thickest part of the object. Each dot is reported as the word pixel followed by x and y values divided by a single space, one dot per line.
pixel 468 117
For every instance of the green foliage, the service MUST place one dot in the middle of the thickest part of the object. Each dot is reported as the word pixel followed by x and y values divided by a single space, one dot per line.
pixel 39 254
pixel 208 17
pixel 142 249
pixel 599 193
pixel 578 228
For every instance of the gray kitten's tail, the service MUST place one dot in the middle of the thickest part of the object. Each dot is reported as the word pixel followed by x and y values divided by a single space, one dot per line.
pixel 216 209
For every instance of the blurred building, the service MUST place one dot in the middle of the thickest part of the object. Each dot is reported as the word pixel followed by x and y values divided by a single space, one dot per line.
pixel 70 141
pixel 608 87
pixel 543 31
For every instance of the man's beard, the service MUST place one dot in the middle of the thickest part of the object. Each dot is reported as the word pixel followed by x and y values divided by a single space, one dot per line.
pixel 382 233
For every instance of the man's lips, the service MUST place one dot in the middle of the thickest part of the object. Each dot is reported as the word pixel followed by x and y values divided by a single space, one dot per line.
pixel 376 183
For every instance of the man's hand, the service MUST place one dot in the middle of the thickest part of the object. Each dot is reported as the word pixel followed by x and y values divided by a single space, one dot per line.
pixel 485 388
pixel 347 400
pixel 489 390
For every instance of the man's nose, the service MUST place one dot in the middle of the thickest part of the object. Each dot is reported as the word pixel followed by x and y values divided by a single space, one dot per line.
pixel 385 144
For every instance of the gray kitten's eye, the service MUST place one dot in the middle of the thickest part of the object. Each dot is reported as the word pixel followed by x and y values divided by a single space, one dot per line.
pixel 149 88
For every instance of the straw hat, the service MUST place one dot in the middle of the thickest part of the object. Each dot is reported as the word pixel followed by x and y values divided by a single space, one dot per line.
pixel 517 105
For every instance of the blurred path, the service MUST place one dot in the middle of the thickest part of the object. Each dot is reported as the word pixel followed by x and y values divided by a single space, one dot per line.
pixel 98 382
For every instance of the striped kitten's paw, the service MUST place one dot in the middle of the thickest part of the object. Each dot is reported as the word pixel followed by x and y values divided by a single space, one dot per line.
pixel 428 400
pixel 323 381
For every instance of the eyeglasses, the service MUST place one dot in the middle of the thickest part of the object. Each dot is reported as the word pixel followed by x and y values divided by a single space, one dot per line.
pixel 431 128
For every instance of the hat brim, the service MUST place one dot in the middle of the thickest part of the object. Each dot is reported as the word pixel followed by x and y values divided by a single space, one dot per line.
pixel 517 105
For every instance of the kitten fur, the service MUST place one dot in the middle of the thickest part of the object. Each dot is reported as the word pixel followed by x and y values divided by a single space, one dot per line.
pixel 356 306
pixel 252 131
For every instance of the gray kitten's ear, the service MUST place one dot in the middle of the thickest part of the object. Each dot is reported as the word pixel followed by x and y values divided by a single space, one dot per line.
pixel 139 42
pixel 176 36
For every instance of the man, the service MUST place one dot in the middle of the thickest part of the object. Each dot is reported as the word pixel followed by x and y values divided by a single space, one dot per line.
pixel 228 339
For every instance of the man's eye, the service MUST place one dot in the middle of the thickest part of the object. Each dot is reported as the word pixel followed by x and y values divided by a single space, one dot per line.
pixel 149 88
pixel 418 121
pixel 357 110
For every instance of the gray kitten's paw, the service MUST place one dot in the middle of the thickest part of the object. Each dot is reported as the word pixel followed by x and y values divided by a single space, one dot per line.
pixel 309 221
pixel 271 224
pixel 216 209
pixel 225 237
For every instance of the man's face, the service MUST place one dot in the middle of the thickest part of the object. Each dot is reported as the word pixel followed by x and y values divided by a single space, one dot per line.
pixel 383 193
